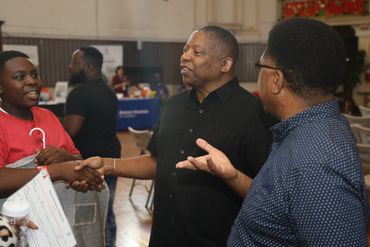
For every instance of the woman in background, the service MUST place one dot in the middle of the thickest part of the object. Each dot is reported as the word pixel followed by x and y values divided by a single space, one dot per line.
pixel 120 81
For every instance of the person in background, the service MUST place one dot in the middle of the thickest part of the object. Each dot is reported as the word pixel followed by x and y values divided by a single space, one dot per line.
pixel 120 81
pixel 159 87
pixel 29 135
pixel 90 118
pixel 310 191
pixel 193 208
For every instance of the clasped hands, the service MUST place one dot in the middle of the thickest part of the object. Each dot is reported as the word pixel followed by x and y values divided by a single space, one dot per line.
pixel 91 171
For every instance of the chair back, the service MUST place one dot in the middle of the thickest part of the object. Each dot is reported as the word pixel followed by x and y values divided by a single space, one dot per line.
pixel 142 138
pixel 365 111
pixel 364 121
pixel 361 133
pixel 364 152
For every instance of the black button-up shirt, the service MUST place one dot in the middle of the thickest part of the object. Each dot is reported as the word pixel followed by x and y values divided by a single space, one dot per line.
pixel 194 208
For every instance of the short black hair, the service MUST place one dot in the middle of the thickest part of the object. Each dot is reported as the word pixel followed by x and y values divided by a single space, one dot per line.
pixel 310 54
pixel 92 56
pixel 226 37
pixel 7 55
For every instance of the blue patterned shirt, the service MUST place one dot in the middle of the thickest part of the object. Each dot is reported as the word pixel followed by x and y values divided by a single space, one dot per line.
pixel 311 191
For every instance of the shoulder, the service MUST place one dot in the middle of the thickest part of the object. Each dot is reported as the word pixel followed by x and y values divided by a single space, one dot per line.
pixel 43 114
pixel 242 95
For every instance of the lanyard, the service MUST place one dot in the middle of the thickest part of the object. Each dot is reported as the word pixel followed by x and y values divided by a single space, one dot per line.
pixel 1 109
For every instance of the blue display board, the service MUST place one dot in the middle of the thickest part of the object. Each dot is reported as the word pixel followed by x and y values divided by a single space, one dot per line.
pixel 138 113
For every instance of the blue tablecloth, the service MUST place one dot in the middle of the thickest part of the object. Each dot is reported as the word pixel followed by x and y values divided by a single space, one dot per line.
pixel 138 113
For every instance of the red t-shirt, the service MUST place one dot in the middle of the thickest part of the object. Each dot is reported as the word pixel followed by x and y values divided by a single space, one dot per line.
pixel 16 143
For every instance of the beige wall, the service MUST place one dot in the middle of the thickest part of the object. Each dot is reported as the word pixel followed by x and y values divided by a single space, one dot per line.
pixel 145 20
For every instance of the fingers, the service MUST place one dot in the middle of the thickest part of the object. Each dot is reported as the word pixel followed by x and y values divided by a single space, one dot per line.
pixel 49 156
pixel 32 225
pixel 212 166
pixel 93 162
pixel 185 164
pixel 80 186
pixel 203 144
pixel 92 177
pixel 197 164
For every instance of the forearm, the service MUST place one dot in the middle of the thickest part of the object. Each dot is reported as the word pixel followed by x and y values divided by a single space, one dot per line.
pixel 118 85
pixel 12 179
pixel 140 167
pixel 240 183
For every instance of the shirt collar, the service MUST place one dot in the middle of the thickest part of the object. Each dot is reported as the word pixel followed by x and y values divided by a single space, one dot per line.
pixel 320 111
pixel 223 93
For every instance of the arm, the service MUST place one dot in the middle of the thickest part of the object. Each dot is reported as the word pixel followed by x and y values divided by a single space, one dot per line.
pixel 52 155
pixel 327 208
pixel 73 124
pixel 218 164
pixel 117 86
pixel 140 167
pixel 12 178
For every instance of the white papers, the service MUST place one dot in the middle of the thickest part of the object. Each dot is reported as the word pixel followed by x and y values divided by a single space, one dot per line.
pixel 46 211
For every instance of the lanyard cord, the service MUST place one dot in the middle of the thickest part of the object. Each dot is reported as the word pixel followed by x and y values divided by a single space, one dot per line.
pixel 1 109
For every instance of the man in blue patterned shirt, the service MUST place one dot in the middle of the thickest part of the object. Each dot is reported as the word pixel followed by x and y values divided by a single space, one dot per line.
pixel 310 191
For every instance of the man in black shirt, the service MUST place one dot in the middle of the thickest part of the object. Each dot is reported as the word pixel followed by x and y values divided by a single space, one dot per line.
pixel 90 118
pixel 195 208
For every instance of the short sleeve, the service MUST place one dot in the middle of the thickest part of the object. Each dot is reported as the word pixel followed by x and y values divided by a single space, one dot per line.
pixel 68 143
pixel 77 102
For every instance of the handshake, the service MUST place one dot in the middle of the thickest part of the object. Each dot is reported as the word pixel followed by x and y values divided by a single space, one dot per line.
pixel 83 175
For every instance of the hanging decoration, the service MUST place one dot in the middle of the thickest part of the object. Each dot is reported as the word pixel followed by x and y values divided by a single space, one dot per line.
pixel 324 8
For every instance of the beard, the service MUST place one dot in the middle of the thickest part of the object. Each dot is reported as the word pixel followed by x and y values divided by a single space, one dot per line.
pixel 77 78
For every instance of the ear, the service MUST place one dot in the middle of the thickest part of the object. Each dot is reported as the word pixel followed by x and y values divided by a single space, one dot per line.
pixel 278 82
pixel 226 64
pixel 88 67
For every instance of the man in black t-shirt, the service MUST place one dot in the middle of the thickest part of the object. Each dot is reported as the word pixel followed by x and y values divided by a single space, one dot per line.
pixel 90 118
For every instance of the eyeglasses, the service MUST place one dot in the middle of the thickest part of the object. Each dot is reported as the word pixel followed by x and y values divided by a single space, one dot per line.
pixel 259 66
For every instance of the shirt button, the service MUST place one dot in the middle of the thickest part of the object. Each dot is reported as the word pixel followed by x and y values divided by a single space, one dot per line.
pixel 182 151
pixel 172 219
pixel 191 130
pixel 173 174
pixel 170 195
pixel 201 111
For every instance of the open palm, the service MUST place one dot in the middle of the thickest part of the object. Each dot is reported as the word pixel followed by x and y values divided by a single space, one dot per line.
pixel 215 162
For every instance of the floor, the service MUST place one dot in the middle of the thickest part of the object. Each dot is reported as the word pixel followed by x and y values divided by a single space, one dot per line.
pixel 133 219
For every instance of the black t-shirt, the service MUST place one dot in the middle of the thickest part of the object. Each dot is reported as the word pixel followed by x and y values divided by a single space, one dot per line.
pixel 194 208
pixel 98 104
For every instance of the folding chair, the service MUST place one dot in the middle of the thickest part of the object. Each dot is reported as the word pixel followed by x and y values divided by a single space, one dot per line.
pixel 142 138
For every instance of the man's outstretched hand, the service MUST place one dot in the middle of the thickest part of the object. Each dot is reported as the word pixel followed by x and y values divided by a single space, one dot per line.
pixel 215 162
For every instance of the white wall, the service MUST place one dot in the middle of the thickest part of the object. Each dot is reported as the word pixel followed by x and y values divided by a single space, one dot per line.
pixel 112 19
pixel 146 20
